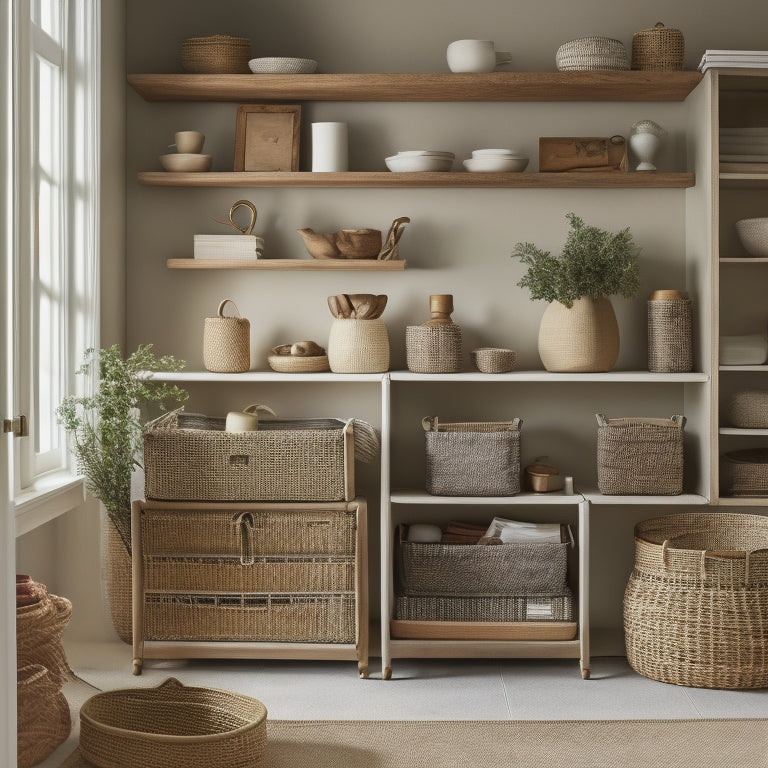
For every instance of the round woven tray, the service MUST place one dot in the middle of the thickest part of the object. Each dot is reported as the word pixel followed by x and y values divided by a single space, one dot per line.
pixel 173 726
pixel 696 605
pixel 587 53
pixel 295 364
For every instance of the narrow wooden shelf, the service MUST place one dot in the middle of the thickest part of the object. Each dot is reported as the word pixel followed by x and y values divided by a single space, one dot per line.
pixel 369 265
pixel 750 368
pixel 381 179
pixel 743 432
pixel 410 496
pixel 612 377
pixel 438 86
pixel 744 260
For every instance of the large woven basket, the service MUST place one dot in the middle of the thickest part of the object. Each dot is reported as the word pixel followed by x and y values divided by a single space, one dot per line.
pixel 433 348
pixel 748 409
pixel 744 472
pixel 218 54
pixel 480 458
pixel 588 53
pixel 696 605
pixel 639 456
pixel 173 726
pixel 659 47
pixel 488 608
pixel 39 628
pixel 358 346
pixel 670 340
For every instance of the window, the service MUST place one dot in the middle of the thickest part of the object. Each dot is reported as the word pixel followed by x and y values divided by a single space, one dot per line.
pixel 55 107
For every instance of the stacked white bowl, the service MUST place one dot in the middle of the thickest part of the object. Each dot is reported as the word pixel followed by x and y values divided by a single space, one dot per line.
pixel 418 160
pixel 496 161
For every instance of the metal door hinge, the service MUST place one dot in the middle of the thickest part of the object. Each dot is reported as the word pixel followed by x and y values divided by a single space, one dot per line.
pixel 17 425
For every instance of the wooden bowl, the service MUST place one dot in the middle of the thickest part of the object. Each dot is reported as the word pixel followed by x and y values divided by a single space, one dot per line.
pixel 183 162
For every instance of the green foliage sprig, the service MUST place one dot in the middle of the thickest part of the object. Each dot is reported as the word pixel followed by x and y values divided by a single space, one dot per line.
pixel 593 262
pixel 106 428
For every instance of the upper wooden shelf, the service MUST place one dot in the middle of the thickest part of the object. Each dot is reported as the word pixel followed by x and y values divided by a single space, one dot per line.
pixel 604 85
pixel 569 180
pixel 366 265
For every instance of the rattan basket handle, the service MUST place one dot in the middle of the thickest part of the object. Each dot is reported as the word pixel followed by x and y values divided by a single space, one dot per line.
pixel 220 311
pixel 170 683
pixel 244 523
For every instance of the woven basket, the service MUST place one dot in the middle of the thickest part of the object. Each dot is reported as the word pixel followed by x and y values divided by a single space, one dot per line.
pixel 696 605
pixel 472 458
pixel 39 628
pixel 658 48
pixel 218 54
pixel 173 726
pixel 358 346
pixel 744 472
pixel 226 342
pixel 670 341
pixel 116 580
pixel 640 456
pixel 43 719
pixel 296 364
pixel 587 53
pixel 494 359
pixel 496 608
pixel 433 348
pixel 748 409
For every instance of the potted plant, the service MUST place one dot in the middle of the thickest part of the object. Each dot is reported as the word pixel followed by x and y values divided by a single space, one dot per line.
pixel 106 432
pixel 578 331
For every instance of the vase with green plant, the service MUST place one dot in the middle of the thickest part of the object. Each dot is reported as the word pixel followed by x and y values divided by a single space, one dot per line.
pixel 105 427
pixel 578 331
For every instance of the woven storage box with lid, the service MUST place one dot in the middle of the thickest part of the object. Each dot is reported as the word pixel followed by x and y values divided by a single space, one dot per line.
pixel 748 409
pixel 480 458
pixel 744 472
pixel 696 605
pixel 218 54
pixel 190 457
pixel 173 726
pixel 658 48
pixel 639 456
pixel 588 53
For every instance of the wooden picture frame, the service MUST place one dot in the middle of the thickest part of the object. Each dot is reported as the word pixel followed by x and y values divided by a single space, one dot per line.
pixel 267 137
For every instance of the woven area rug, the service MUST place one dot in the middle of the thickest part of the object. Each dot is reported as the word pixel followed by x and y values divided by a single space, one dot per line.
pixel 510 744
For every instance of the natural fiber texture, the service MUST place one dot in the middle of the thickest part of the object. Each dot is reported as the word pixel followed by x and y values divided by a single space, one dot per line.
pixel 640 456
pixel 753 234
pixel 227 344
pixel 696 605
pixel 43 720
pixel 472 458
pixel 295 364
pixel 433 348
pixel 116 580
pixel 173 726
pixel 39 628
pixel 494 359
pixel 670 341
pixel 588 53
pixel 744 472
pixel 218 54
pixel 475 570
pixel 726 743
pixel 358 346
pixel 189 457
pixel 748 409
pixel 487 608
pixel 658 48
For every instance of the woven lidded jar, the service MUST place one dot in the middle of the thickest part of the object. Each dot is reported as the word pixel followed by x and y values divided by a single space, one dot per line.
pixel 358 345
pixel 659 47
pixel 670 337
pixel 227 342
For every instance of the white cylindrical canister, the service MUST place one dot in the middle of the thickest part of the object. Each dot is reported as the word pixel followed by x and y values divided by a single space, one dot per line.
pixel 330 148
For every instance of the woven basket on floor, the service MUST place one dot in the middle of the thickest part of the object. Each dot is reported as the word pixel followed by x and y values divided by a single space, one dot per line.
pixel 587 53
pixel 639 456
pixel 358 346
pixel 173 726
pixel 670 341
pixel 218 54
pixel 433 348
pixel 39 628
pixel 658 48
pixel 43 720
pixel 696 605
pixel 748 409
pixel 744 472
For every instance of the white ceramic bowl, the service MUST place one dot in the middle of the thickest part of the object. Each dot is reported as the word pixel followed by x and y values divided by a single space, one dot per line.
pixel 496 164
pixel 181 162
pixel 743 350
pixel 496 153
pixel 753 234
pixel 418 163
pixel 423 152
pixel 282 65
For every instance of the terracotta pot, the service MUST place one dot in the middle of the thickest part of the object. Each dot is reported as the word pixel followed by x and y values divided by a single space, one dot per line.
pixel 584 338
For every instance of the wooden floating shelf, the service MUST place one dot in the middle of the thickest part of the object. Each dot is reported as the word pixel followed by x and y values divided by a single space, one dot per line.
pixel 493 86
pixel 744 260
pixel 381 179
pixel 370 265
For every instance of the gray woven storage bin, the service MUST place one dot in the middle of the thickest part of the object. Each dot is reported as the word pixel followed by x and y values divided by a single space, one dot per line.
pixel 433 348
pixel 696 604
pixel 474 570
pixel 480 458
pixel 670 341
pixel 494 608
pixel 748 409
pixel 744 472
pixel 639 456
pixel 588 53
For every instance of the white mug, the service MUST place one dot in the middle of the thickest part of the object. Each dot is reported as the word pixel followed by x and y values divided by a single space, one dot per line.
pixel 189 142
pixel 246 420
pixel 475 56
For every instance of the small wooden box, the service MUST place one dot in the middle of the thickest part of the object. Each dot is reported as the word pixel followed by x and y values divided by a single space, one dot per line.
pixel 568 153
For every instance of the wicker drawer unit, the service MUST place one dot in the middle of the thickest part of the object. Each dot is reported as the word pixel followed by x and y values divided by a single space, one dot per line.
pixel 250 580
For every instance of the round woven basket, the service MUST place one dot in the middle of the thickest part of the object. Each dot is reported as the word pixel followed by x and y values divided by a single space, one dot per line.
pixel 218 54
pixel 670 341
pixel 658 48
pixel 227 342
pixel 696 605
pixel 744 472
pixel 587 53
pixel 494 359
pixel 358 346
pixel 173 726
pixel 433 348
pixel 748 409
pixel 39 628
pixel 296 364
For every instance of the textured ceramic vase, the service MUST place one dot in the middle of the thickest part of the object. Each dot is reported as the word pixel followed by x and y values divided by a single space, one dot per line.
pixel 584 338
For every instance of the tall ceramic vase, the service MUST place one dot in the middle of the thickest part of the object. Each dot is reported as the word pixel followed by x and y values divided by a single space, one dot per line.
pixel 582 338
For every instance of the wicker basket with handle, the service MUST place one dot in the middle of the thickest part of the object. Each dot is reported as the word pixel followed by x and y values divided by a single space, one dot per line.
pixel 227 342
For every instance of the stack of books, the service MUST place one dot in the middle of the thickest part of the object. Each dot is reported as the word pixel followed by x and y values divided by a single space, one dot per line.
pixel 728 59
pixel 228 247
